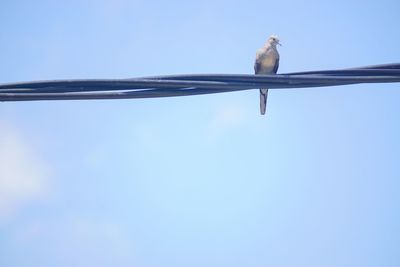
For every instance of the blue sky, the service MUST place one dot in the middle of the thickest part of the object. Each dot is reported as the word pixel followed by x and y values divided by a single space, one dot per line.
pixel 203 180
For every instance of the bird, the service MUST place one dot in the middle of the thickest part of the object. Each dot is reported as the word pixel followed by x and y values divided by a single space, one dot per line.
pixel 267 62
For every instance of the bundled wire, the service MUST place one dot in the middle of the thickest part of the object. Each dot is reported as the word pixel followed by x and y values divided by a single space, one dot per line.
pixel 196 84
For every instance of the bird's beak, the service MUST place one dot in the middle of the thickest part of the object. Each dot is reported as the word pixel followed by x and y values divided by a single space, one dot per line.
pixel 279 44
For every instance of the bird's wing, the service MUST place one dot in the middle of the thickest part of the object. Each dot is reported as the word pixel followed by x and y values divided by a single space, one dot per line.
pixel 257 64
pixel 276 66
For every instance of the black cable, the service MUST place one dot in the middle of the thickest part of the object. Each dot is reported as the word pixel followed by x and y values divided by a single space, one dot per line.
pixel 196 84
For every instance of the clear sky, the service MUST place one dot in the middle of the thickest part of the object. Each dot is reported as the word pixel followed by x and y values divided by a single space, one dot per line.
pixel 202 180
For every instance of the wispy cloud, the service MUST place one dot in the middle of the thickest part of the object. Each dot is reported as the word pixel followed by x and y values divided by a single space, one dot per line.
pixel 79 241
pixel 148 136
pixel 23 176
pixel 226 118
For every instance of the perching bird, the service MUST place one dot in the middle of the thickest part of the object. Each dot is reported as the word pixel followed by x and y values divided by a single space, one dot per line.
pixel 267 62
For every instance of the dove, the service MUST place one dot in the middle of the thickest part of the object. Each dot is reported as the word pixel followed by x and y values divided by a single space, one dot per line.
pixel 267 62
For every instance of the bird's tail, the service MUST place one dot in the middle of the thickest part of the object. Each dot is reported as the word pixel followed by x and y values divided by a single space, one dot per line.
pixel 263 100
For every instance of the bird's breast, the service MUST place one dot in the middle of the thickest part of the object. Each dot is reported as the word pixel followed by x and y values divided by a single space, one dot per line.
pixel 267 64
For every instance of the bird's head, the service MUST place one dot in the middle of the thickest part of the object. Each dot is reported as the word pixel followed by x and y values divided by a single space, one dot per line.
pixel 273 40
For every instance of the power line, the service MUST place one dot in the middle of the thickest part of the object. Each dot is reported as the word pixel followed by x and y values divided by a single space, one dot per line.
pixel 196 84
